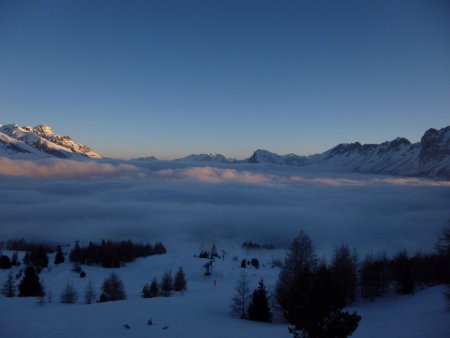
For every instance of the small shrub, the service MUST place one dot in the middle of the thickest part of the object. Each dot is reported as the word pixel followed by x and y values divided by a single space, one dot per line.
pixel 255 263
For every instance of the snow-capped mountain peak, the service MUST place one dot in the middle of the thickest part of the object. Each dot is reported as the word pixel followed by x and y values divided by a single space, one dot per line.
pixel 429 157
pixel 40 141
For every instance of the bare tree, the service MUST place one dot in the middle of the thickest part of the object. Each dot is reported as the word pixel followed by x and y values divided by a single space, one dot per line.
pixel 89 293
pixel 112 289
pixel 69 294
pixel 241 299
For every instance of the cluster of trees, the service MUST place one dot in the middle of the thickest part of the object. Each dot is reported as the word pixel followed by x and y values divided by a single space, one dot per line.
pixel 111 254
pixel 23 245
pixel 166 286
pixel 312 293
pixel 36 255
pixel 254 306
pixel 213 253
pixel 252 245
pixel 112 290
pixel 404 273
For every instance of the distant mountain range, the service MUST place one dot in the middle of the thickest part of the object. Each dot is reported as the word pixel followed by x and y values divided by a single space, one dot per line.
pixel 429 158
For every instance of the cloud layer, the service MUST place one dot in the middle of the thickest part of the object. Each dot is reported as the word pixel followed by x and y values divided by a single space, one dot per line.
pixel 205 204
pixel 62 168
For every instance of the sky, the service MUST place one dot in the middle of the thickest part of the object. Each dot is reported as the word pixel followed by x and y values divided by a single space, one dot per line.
pixel 170 78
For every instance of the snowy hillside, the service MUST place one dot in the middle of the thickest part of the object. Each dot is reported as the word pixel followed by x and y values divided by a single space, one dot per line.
pixel 202 311
pixel 40 142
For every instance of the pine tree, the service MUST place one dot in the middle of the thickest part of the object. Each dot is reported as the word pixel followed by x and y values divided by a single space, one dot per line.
pixel 154 288
pixel 59 257
pixel 179 283
pixel 298 266
pixel 39 257
pixel 9 288
pixel 259 307
pixel 15 259
pixel 30 286
pixel 402 273
pixel 344 269
pixel 214 252
pixel 5 262
pixel 69 294
pixel 89 293
pixel 241 299
pixel 306 293
pixel 166 285
pixel 145 291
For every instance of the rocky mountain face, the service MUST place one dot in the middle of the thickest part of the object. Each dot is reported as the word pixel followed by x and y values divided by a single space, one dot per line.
pixel 40 141
pixel 430 157
pixel 212 157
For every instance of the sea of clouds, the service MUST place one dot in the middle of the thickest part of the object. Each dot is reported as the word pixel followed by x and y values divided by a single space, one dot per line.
pixel 63 201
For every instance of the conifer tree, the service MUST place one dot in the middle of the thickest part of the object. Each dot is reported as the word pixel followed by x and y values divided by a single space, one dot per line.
pixel 145 291
pixel 154 288
pixel 344 270
pixel 5 262
pixel 15 259
pixel 259 307
pixel 402 273
pixel 30 286
pixel 9 288
pixel 59 257
pixel 166 285
pixel 39 257
pixel 214 252
pixel 306 293
pixel 179 283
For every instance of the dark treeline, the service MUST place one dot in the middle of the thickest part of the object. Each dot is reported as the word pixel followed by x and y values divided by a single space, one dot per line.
pixel 313 293
pixel 252 245
pixel 111 254
pixel 24 245
pixel 403 273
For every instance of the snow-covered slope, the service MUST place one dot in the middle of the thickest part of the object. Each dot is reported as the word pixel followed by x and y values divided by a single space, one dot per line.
pixel 202 311
pixel 212 157
pixel 430 157
pixel 40 141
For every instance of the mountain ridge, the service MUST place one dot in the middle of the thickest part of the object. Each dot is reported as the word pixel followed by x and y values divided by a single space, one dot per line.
pixel 430 157
pixel 41 141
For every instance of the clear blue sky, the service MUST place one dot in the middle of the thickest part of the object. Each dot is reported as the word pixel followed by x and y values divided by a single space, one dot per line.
pixel 169 78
